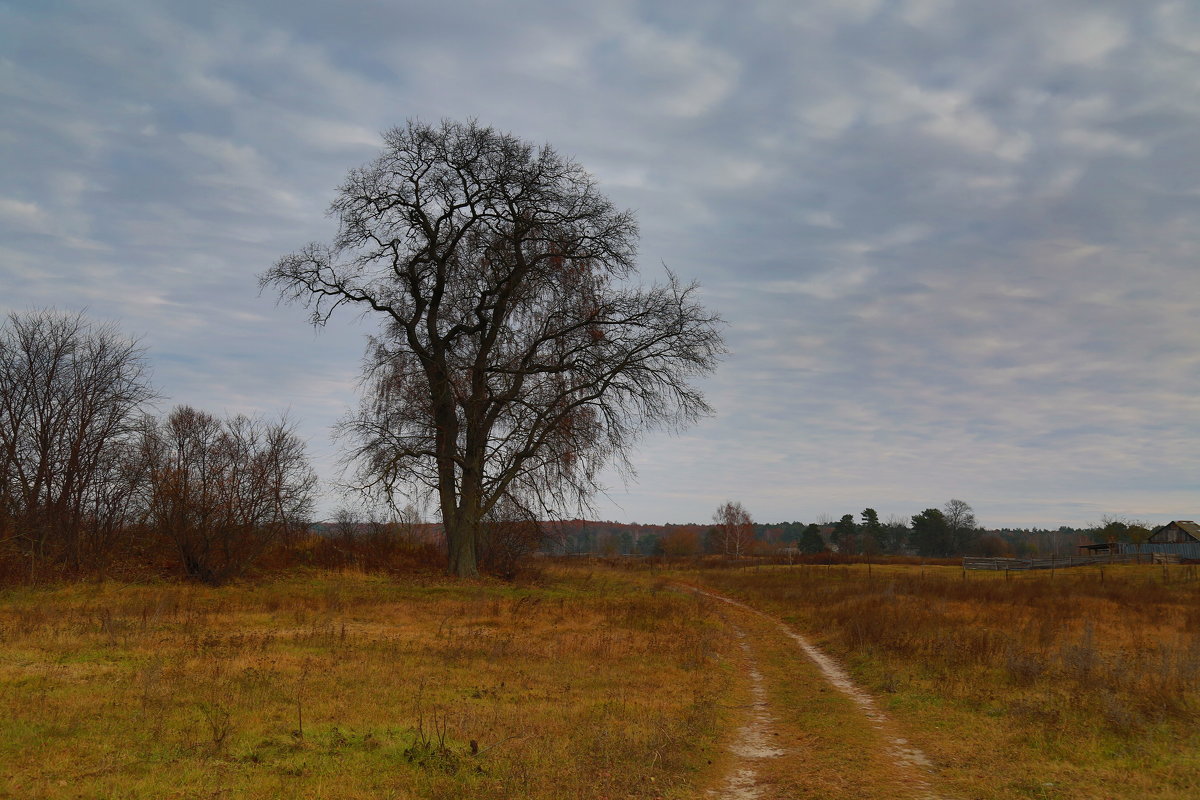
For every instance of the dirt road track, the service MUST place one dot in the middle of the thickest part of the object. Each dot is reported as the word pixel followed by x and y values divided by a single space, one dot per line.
pixel 752 743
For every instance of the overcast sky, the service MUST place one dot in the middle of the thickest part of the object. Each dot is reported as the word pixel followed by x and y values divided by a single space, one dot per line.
pixel 956 243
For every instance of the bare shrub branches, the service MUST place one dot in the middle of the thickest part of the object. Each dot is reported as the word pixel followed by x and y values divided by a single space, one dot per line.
pixel 70 394
pixel 223 490
pixel 85 473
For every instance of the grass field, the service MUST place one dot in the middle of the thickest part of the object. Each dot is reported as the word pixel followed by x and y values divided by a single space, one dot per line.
pixel 350 686
pixel 1079 684
pixel 601 683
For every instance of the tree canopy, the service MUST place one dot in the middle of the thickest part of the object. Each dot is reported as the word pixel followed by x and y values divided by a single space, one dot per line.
pixel 930 533
pixel 844 532
pixel 811 541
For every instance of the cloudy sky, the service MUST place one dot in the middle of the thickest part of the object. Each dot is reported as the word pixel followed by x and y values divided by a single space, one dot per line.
pixel 957 244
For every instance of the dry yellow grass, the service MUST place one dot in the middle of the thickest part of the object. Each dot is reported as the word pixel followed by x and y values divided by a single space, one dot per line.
pixel 354 686
pixel 600 684
pixel 1083 684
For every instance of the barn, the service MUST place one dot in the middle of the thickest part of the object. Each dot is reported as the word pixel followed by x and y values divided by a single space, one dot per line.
pixel 1181 531
pixel 1177 539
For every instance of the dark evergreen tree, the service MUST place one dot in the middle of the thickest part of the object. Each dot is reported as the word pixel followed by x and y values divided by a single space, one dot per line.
pixel 871 530
pixel 844 533
pixel 811 541
pixel 895 536
pixel 930 534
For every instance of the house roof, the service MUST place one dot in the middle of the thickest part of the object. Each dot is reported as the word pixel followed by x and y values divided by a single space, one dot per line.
pixel 1186 525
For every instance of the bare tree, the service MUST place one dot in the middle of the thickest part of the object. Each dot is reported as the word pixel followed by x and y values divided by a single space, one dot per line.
pixel 516 359
pixel 960 525
pixel 70 391
pixel 347 525
pixel 223 491
pixel 735 528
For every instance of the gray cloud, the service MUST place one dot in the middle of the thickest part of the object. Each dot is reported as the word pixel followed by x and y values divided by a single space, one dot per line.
pixel 955 243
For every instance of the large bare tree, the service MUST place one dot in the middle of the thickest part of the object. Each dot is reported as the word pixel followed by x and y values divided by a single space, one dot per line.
pixel 517 357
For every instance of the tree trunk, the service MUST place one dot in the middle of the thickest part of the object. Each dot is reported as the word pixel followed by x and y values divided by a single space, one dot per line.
pixel 460 540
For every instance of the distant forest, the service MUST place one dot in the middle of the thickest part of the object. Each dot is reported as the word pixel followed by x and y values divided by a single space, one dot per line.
pixel 581 537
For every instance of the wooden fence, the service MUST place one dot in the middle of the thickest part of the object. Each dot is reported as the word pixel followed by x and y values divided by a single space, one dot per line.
pixel 1067 561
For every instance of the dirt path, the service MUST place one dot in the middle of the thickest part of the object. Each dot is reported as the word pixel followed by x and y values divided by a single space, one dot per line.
pixel 753 741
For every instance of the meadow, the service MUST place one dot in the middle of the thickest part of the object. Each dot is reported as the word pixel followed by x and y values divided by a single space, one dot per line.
pixel 602 681
pixel 345 685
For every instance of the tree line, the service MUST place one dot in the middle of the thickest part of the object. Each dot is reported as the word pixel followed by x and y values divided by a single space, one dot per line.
pixel 935 532
pixel 91 477
pixel 949 531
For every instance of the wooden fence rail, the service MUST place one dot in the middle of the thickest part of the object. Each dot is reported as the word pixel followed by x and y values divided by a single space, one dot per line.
pixel 1066 561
